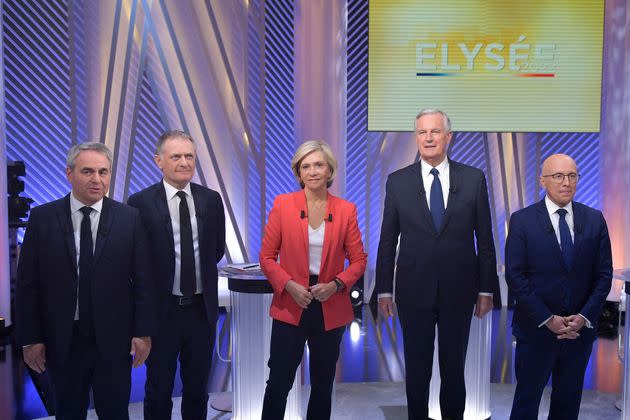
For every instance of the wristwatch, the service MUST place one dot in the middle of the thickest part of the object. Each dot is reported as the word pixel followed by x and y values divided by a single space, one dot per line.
pixel 339 283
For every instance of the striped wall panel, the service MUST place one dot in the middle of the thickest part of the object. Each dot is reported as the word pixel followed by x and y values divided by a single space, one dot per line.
pixel 279 98
pixel 356 124
pixel 148 127
pixel 254 105
pixel 37 93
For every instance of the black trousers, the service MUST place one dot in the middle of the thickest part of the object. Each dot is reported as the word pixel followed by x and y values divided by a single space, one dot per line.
pixel 565 361
pixel 186 334
pixel 418 326
pixel 287 348
pixel 108 377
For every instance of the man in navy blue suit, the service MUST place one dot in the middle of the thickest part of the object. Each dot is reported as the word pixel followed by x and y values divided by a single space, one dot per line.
pixel 559 267
pixel 84 301
pixel 446 263
pixel 186 227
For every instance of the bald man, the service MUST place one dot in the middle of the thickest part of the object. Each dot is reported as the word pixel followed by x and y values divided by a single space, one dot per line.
pixel 559 267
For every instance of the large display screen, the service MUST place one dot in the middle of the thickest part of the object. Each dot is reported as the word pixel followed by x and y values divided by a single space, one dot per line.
pixel 492 65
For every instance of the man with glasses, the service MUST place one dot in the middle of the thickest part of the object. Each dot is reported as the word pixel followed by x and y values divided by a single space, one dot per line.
pixel 559 268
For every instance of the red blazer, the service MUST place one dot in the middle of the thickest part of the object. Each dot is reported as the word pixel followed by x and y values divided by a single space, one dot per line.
pixel 286 234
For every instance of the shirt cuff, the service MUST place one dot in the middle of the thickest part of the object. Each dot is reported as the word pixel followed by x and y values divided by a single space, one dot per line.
pixel 486 294
pixel 385 295
pixel 545 321
pixel 588 323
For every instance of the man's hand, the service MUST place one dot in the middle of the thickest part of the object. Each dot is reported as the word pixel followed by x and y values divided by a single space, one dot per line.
pixel 322 291
pixel 35 357
pixel 558 326
pixel 140 349
pixel 299 293
pixel 573 324
pixel 386 306
pixel 483 306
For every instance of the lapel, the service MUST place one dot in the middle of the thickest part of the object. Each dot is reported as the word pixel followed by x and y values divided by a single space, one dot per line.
pixel 301 208
pixel 425 213
pixel 104 227
pixel 200 206
pixel 162 210
pixel 454 179
pixel 65 225
pixel 578 230
pixel 328 232
pixel 545 221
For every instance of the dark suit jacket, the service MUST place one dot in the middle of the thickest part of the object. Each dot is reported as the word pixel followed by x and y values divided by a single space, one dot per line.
pixel 211 228
pixel 441 267
pixel 539 278
pixel 122 288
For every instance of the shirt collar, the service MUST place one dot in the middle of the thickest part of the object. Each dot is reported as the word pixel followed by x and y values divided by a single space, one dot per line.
pixel 426 168
pixel 76 205
pixel 172 191
pixel 553 207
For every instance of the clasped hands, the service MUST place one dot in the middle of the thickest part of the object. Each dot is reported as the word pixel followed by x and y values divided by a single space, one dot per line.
pixel 566 327
pixel 303 296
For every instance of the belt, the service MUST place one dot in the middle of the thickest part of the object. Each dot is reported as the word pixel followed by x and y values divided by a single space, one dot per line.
pixel 187 300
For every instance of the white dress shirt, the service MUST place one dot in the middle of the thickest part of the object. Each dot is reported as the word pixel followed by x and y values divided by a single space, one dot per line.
pixel 77 218
pixel 315 248
pixel 172 200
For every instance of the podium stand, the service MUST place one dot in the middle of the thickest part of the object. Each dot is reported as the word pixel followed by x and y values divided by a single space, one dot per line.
pixel 250 330
pixel 477 372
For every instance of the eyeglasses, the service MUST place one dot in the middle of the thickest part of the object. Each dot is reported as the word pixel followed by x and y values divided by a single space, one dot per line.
pixel 558 178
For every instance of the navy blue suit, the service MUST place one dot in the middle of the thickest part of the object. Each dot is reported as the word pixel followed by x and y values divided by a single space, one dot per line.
pixel 439 274
pixel 544 286
pixel 188 332
pixel 121 296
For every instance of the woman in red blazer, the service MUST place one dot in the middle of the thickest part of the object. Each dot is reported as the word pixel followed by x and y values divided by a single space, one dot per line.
pixel 313 233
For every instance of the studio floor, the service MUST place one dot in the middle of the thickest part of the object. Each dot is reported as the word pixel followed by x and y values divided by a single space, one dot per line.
pixel 370 376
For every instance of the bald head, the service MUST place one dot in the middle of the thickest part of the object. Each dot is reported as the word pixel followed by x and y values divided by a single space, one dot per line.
pixel 559 178
pixel 556 160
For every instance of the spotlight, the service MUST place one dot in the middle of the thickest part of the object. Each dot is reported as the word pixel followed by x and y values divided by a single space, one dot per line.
pixel 356 296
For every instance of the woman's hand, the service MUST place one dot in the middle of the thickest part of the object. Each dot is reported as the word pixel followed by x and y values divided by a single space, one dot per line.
pixel 299 293
pixel 322 291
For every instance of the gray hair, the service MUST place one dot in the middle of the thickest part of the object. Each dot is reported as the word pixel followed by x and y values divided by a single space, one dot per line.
pixel 430 111
pixel 306 149
pixel 91 145
pixel 171 134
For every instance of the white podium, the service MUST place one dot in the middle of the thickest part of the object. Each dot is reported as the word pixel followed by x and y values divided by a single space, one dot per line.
pixel 477 372
pixel 250 330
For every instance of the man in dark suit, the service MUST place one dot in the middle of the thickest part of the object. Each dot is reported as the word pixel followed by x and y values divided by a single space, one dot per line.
pixel 186 227
pixel 559 268
pixel 446 263
pixel 84 299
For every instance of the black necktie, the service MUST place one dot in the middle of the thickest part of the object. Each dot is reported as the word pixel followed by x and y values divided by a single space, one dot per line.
pixel 437 199
pixel 86 250
pixel 566 243
pixel 187 283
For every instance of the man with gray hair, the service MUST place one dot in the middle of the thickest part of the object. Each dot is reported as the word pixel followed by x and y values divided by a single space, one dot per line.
pixel 84 300
pixel 446 265
pixel 186 228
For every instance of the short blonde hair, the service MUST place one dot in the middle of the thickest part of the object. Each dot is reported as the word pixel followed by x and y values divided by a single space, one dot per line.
pixel 306 149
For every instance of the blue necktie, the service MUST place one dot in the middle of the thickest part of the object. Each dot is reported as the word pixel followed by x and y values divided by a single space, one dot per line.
pixel 566 243
pixel 86 251
pixel 437 199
